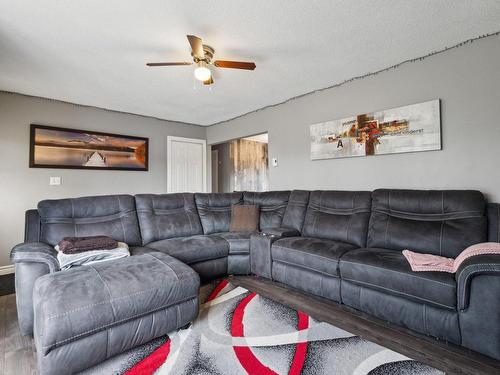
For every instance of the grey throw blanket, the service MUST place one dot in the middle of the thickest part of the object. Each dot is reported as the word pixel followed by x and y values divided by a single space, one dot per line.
pixel 67 261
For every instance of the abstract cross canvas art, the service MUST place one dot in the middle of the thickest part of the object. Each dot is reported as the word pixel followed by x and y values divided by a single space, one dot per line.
pixel 411 128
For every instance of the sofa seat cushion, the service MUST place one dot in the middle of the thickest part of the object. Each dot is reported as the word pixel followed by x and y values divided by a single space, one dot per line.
pixel 239 242
pixel 87 314
pixel 389 271
pixel 315 254
pixel 72 304
pixel 192 249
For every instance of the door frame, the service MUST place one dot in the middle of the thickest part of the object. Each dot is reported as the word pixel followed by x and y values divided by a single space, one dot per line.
pixel 214 178
pixel 203 142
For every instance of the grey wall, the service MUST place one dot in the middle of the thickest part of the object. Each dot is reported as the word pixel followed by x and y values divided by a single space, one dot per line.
pixel 22 187
pixel 226 176
pixel 466 79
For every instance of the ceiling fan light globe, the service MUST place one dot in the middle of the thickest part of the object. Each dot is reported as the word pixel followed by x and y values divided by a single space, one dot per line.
pixel 202 73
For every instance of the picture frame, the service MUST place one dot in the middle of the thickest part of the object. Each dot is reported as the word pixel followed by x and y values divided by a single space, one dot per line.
pixel 68 148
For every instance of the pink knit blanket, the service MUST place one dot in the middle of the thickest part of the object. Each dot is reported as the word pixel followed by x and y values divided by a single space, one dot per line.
pixel 427 262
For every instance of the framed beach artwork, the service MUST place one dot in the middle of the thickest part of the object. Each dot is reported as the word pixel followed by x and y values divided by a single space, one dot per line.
pixel 411 128
pixel 53 147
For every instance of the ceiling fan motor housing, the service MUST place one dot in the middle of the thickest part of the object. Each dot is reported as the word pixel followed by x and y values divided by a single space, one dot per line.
pixel 209 54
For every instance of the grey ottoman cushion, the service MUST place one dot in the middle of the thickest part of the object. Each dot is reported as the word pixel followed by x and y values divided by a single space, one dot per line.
pixel 88 314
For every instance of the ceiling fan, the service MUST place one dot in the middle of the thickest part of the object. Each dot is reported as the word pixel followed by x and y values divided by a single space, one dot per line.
pixel 202 57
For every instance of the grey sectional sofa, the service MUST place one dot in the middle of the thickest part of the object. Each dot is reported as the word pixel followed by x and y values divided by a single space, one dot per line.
pixel 342 245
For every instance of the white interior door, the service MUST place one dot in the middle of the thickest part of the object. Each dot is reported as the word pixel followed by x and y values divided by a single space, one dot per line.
pixel 186 165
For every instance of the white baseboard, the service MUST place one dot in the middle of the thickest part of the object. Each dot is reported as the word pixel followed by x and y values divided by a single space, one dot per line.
pixel 5 270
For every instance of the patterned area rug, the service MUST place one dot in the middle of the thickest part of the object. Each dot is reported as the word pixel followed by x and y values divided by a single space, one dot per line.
pixel 240 332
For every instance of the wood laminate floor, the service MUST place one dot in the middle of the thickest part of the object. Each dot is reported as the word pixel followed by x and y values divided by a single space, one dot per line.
pixel 17 353
pixel 7 284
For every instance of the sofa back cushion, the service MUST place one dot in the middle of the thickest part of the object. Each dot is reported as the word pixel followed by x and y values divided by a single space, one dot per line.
pixel 163 216
pixel 32 226
pixel 439 222
pixel 272 205
pixel 110 215
pixel 295 211
pixel 493 222
pixel 215 210
pixel 338 215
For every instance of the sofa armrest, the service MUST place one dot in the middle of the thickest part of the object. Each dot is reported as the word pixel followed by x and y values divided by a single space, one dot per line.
pixel 35 252
pixel 32 260
pixel 260 254
pixel 260 249
pixel 478 265
pixel 282 232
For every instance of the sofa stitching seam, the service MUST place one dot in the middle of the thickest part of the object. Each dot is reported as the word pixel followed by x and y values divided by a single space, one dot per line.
pixel 111 305
pixel 424 317
pixel 305 252
pixel 103 302
pixel 113 324
pixel 442 202
pixel 73 218
pixel 187 213
pixel 463 285
pixel 441 238
pixel 211 214
pixel 165 264
pixel 157 227
pixel 121 221
pixel 34 257
pixel 388 219
pixel 390 211
pixel 397 292
pixel 402 273
pixel 350 219
pixel 203 259
pixel 305 267
pixel 91 219
pixel 442 226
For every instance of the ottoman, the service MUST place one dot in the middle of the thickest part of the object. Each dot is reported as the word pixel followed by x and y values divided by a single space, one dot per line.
pixel 87 314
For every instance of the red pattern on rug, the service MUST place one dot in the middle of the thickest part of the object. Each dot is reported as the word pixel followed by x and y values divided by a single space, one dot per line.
pixel 152 362
pixel 217 290
pixel 301 348
pixel 245 356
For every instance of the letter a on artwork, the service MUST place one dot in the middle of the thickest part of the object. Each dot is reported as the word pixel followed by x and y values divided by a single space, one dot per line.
pixel 340 144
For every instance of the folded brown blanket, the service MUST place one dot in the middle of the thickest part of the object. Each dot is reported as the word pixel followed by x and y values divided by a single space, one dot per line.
pixel 73 245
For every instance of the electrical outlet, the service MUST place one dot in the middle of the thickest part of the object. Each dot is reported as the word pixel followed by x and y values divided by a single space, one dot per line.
pixel 55 181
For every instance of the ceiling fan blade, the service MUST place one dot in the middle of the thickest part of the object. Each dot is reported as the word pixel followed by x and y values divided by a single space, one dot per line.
pixel 209 81
pixel 234 64
pixel 196 46
pixel 168 63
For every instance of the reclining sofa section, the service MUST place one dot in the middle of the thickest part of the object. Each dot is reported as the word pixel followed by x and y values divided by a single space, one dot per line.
pixel 342 245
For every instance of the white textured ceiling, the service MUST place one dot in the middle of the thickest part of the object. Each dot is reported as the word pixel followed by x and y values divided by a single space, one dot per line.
pixel 93 52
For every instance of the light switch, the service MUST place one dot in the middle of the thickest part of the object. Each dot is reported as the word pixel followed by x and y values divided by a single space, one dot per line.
pixel 55 181
pixel 274 162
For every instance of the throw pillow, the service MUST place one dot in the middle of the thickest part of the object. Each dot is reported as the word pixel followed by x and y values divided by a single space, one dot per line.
pixel 244 218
